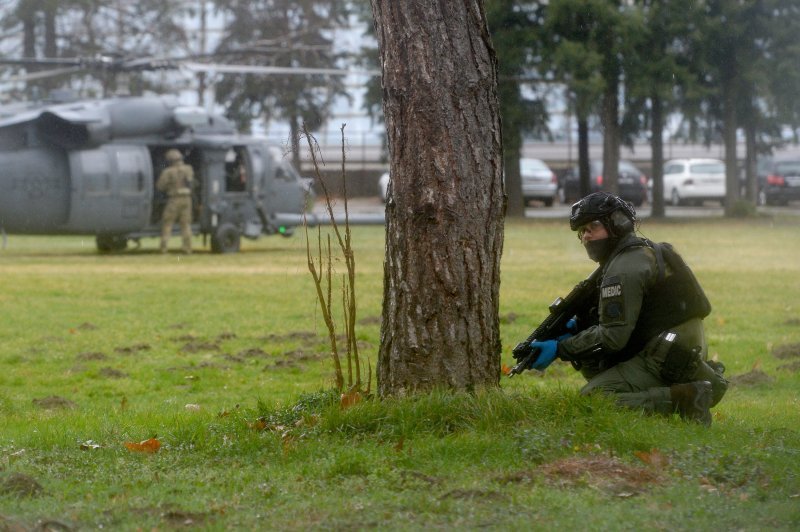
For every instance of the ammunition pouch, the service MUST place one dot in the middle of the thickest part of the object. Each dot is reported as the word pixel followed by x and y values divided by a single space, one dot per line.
pixel 680 363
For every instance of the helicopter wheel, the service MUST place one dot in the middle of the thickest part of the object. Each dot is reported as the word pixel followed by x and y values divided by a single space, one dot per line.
pixel 226 239
pixel 111 243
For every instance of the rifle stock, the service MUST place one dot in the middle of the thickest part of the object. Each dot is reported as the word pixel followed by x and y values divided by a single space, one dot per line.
pixel 580 298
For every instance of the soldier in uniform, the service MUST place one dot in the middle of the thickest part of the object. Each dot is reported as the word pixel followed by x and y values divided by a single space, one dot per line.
pixel 644 342
pixel 176 181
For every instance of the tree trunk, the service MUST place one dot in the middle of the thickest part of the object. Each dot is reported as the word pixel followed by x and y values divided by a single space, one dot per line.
pixel 584 166
pixel 657 156
pixel 512 147
pixel 611 137
pixel 750 162
pixel 444 217
pixel 729 138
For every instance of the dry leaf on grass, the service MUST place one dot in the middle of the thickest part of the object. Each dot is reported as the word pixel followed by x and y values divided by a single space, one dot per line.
pixel 350 399
pixel 147 446
pixel 654 458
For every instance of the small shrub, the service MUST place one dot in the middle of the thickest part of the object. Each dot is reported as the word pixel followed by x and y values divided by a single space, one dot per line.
pixel 743 209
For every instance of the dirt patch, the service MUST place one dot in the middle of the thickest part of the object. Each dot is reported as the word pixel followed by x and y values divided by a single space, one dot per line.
pixel 794 366
pixel 19 485
pixel 8 525
pixel 297 336
pixel 607 474
pixel 53 402
pixel 132 349
pixel 787 351
pixel 751 378
pixel 793 321
pixel 91 356
pixel 226 336
pixel 281 364
pixel 480 495
pixel 297 358
pixel 253 352
pixel 178 518
pixel 200 347
pixel 304 356
pixel 86 326
pixel 111 373
pixel 202 365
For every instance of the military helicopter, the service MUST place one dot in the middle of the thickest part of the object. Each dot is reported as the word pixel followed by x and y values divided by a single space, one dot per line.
pixel 89 168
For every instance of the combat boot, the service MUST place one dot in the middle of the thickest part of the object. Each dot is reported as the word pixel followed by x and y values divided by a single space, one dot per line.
pixel 692 401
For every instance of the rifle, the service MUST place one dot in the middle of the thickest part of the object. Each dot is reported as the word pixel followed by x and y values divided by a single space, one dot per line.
pixel 577 303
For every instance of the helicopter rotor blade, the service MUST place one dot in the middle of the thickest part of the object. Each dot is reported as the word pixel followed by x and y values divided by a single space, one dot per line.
pixel 41 61
pixel 43 75
pixel 272 70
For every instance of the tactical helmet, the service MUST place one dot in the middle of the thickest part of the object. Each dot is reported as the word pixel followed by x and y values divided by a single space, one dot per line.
pixel 617 215
pixel 173 155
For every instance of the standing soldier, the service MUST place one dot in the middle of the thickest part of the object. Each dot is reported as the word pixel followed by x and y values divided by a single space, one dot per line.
pixel 176 181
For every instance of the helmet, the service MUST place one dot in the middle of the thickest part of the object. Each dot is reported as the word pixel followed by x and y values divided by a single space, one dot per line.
pixel 173 155
pixel 617 215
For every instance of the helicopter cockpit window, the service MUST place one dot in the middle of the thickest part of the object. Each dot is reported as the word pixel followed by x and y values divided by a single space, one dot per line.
pixel 286 172
pixel 96 173
pixel 236 173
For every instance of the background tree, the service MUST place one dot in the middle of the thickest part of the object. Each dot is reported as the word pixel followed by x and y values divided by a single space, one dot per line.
pixel 769 100
pixel 444 217
pixel 281 33
pixel 659 73
pixel 732 49
pixel 86 29
pixel 517 46
pixel 570 52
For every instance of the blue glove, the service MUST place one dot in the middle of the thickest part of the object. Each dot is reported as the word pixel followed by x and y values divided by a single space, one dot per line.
pixel 547 353
pixel 572 328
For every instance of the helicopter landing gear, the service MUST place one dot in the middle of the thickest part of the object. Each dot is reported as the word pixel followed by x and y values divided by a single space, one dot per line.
pixel 111 243
pixel 226 239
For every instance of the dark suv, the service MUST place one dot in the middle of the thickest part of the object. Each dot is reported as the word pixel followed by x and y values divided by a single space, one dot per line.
pixel 778 181
pixel 632 182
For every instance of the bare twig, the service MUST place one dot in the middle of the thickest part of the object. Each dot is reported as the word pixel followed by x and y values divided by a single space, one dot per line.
pixel 354 380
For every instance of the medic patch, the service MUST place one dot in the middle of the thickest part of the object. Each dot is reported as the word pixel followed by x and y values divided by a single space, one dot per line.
pixel 612 290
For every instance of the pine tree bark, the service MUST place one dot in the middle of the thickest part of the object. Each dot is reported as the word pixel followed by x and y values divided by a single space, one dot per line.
pixel 444 216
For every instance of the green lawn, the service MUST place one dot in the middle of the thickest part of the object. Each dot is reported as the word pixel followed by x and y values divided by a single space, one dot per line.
pixel 223 359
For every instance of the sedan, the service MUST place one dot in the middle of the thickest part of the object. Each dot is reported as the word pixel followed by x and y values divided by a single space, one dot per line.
pixel 632 182
pixel 694 181
pixel 538 181
pixel 383 186
pixel 779 182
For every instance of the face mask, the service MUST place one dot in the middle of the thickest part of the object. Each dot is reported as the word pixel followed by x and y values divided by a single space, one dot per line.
pixel 599 250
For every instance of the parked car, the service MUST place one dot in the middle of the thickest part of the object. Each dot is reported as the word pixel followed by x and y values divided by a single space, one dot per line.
pixel 779 182
pixel 383 186
pixel 694 181
pixel 538 181
pixel 632 182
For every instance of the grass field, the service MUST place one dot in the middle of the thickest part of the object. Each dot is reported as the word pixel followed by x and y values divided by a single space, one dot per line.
pixel 223 361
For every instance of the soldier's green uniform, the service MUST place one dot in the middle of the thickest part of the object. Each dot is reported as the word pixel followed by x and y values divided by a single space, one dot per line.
pixel 176 181
pixel 644 343
pixel 621 365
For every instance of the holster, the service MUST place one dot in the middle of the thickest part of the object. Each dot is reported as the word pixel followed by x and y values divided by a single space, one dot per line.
pixel 680 363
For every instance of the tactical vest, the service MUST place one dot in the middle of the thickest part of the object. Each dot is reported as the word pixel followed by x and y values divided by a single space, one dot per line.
pixel 674 298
